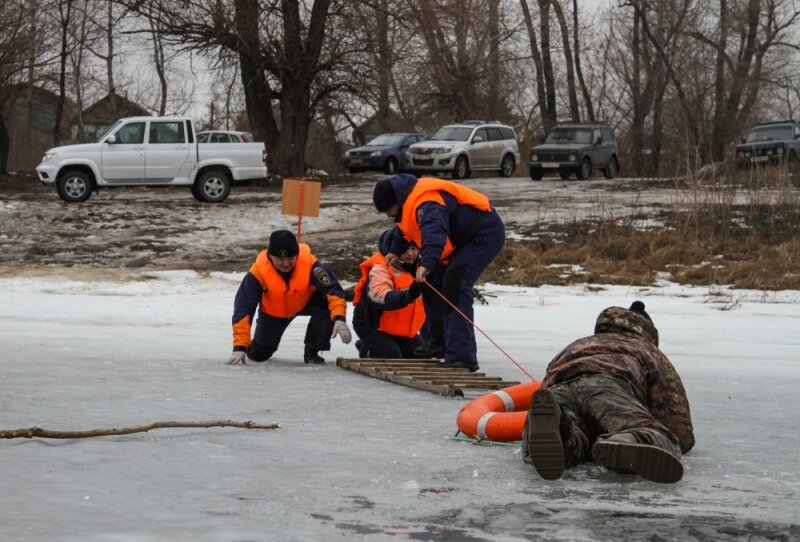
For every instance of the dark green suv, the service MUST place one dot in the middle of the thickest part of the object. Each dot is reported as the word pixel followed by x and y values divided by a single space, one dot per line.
pixel 576 148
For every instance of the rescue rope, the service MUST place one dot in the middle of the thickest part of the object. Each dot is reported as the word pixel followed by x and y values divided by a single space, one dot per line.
pixel 465 317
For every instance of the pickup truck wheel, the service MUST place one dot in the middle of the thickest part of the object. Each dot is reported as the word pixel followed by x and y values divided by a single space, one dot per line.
pixel 536 173
pixel 75 186
pixel 612 168
pixel 390 167
pixel 585 171
pixel 507 166
pixel 461 168
pixel 213 186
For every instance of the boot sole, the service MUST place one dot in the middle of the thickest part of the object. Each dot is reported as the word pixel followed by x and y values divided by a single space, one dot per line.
pixel 649 462
pixel 544 437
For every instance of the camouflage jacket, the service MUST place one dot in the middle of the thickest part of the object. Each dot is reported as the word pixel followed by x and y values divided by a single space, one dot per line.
pixel 624 347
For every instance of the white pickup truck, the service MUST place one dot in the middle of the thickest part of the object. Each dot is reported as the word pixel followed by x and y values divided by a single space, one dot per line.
pixel 151 151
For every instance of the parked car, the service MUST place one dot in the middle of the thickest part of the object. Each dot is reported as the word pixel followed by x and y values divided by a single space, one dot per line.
pixel 464 147
pixel 224 136
pixel 151 151
pixel 386 153
pixel 576 148
pixel 775 141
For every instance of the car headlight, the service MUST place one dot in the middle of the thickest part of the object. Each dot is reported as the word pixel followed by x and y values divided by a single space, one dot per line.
pixel 49 156
pixel 443 150
pixel 780 150
pixel 534 158
pixel 375 153
pixel 572 157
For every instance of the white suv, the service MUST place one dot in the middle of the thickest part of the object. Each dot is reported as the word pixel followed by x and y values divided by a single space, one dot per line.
pixel 465 147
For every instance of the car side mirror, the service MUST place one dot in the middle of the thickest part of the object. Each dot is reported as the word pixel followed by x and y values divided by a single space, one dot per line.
pixel 599 140
pixel 477 139
pixel 111 139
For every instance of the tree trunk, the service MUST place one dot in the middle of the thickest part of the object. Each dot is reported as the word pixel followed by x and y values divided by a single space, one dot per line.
pixel 493 99
pixel 257 91
pixel 637 123
pixel 572 91
pixel 720 132
pixel 65 16
pixel 110 57
pixel 296 79
pixel 587 98
pixel 550 117
pixel 158 61
pixel 384 62
pixel 537 60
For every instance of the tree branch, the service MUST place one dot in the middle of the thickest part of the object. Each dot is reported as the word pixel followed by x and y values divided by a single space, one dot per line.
pixel 40 432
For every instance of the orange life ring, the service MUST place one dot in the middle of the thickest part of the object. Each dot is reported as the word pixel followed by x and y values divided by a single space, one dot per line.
pixel 499 415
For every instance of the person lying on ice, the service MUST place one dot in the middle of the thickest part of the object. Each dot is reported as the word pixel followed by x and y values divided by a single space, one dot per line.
pixel 459 235
pixel 387 311
pixel 285 281
pixel 613 398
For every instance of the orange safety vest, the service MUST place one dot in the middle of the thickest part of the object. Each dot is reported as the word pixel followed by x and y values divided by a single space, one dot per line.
pixel 405 322
pixel 427 189
pixel 278 299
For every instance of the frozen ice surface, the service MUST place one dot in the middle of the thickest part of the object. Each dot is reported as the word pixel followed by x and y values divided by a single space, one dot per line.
pixel 358 458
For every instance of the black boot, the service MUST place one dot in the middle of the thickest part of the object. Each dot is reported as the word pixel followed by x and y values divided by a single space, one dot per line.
pixel 310 355
pixel 455 364
pixel 430 350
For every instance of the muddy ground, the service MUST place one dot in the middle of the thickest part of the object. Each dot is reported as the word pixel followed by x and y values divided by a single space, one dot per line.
pixel 165 228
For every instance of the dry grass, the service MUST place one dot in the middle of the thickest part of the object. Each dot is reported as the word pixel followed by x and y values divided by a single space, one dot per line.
pixel 743 232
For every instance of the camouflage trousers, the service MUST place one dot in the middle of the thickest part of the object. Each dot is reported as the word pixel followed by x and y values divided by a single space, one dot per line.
pixel 598 406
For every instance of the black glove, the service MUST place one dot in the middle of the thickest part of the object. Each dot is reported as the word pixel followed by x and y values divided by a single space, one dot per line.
pixel 415 290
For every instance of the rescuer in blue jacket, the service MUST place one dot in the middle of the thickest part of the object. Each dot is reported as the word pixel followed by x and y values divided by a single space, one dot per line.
pixel 459 235
pixel 285 281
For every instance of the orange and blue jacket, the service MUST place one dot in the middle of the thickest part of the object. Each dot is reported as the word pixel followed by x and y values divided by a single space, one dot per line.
pixel 283 295
pixel 397 314
pixel 437 215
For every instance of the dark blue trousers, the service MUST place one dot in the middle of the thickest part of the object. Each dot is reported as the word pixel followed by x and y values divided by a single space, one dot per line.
pixel 456 281
pixel 377 344
pixel 269 329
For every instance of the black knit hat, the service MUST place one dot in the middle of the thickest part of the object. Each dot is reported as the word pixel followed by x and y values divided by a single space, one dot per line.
pixel 383 195
pixel 386 239
pixel 283 244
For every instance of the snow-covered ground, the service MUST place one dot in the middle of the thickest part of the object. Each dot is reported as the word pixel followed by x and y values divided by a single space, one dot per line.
pixel 359 458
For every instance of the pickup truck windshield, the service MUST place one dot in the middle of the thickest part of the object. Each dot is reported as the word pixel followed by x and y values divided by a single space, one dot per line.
pixel 110 130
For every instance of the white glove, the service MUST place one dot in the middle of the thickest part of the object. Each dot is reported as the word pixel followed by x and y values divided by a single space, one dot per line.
pixel 238 356
pixel 341 329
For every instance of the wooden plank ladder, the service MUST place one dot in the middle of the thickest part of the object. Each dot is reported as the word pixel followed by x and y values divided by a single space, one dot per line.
pixel 424 374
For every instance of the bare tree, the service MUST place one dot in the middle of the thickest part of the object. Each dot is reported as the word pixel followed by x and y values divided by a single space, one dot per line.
pixel 16 40
pixel 284 57
pixel 576 48
pixel 572 91
pixel 64 25
pixel 540 52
